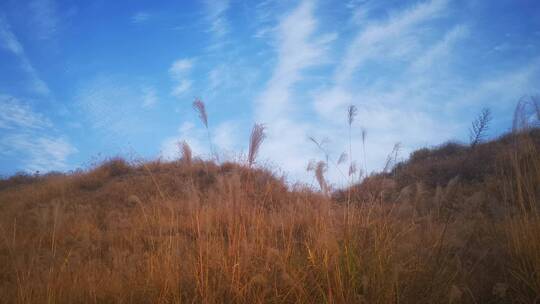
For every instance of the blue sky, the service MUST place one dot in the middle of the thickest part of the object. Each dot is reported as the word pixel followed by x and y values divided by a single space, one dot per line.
pixel 84 80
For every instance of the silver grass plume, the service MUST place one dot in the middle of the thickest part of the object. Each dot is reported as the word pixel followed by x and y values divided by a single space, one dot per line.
pixel 255 141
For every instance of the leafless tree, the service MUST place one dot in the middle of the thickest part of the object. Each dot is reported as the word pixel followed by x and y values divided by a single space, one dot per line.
pixel 479 127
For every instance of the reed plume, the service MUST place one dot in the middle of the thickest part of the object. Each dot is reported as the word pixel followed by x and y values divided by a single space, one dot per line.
pixel 200 108
pixel 391 159
pixel 364 136
pixel 255 141
pixel 526 114
pixel 319 168
pixel 185 150
pixel 352 169
pixel 342 158
pixel 321 146
pixel 352 111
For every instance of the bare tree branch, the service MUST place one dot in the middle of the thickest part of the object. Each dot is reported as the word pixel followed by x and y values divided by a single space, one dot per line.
pixel 479 127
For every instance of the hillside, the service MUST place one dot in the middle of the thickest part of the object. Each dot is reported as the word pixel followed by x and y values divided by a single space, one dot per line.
pixel 453 224
pixel 478 169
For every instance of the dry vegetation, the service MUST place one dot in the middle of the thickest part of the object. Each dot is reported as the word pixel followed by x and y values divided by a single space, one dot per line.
pixel 454 224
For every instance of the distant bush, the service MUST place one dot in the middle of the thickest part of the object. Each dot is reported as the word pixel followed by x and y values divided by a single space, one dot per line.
pixel 116 167
pixel 19 178
pixel 438 165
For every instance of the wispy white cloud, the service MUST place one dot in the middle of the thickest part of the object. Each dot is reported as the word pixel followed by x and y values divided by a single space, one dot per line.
pixel 180 67
pixel 218 76
pixel 114 106
pixel 235 75
pixel 379 39
pixel 11 43
pixel 508 86
pixel 390 112
pixel 44 18
pixel 140 17
pixel 103 102
pixel 299 47
pixel 264 14
pixel 38 152
pixel 402 63
pixel 415 103
pixel 440 50
pixel 119 112
pixel 226 139
pixel 422 101
pixel 26 135
pixel 149 96
pixel 393 109
pixel 183 86
pixel 297 50
pixel 179 72
pixel 397 39
pixel 16 115
pixel 216 16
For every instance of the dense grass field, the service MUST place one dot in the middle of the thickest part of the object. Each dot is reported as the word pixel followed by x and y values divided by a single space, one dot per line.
pixel 453 224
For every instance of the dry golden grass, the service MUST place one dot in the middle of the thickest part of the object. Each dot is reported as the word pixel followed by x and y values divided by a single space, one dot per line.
pixel 197 232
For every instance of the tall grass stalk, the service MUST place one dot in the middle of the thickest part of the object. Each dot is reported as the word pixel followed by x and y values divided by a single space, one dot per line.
pixel 522 189
pixel 352 111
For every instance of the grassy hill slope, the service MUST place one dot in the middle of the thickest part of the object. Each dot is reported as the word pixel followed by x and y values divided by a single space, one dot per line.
pixel 453 224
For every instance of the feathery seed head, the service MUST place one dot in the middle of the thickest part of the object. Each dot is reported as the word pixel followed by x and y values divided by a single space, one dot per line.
pixel 342 158
pixel 352 111
pixel 199 106
pixel 255 140
pixel 185 151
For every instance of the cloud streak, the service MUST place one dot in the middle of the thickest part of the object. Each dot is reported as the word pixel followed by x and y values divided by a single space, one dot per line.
pixel 407 105
pixel 44 17
pixel 379 39
pixel 39 152
pixel 179 72
pixel 16 115
pixel 140 17
pixel 418 71
pixel 299 47
pixel 297 50
pixel 216 11
pixel 11 43
pixel 25 134
pixel 149 97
